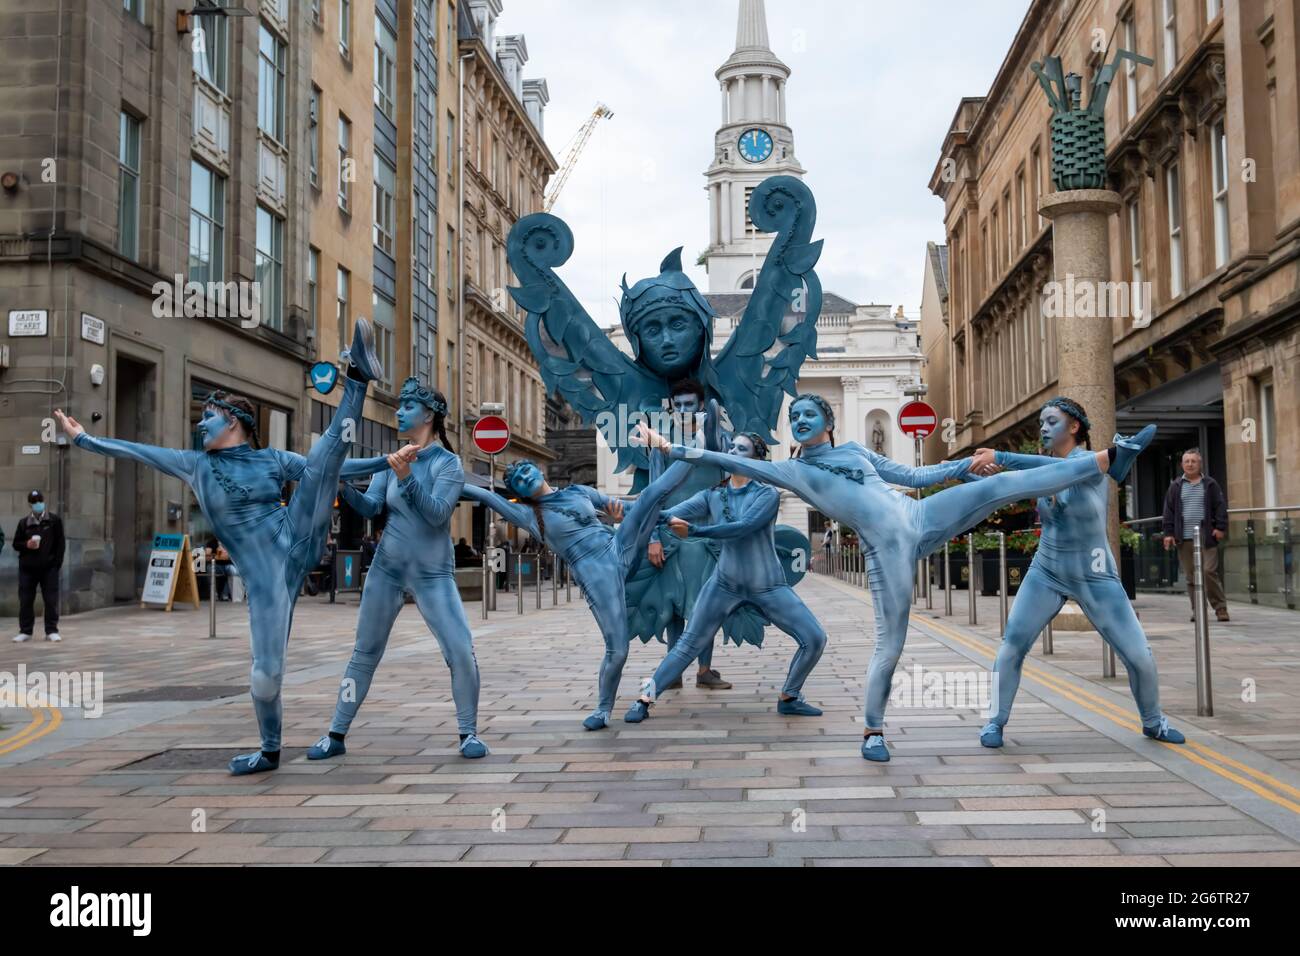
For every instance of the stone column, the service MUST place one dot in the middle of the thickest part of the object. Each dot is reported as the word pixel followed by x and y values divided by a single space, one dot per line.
pixel 1085 345
pixel 724 208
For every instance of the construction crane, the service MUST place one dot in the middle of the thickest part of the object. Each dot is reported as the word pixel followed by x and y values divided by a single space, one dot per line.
pixel 569 158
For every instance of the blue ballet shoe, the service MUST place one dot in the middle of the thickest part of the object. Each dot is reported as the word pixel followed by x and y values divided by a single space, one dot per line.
pixel 325 748
pixel 598 720
pixel 991 735
pixel 797 707
pixel 1127 450
pixel 471 748
pixel 638 712
pixel 1162 731
pixel 363 362
pixel 873 748
pixel 255 762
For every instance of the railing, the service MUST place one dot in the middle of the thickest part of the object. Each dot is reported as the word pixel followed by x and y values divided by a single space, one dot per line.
pixel 1256 557
pixel 525 567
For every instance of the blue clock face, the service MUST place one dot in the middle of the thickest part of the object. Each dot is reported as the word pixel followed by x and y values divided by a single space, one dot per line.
pixel 755 145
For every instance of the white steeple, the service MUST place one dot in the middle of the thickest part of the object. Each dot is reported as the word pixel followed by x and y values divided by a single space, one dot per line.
pixel 753 142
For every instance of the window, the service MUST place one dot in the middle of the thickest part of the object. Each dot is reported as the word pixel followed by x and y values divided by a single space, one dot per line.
pixel 345 28
pixel 269 267
pixel 313 137
pixel 451 245
pixel 317 15
pixel 451 143
pixel 270 85
pixel 385 316
pixel 1219 147
pixel 1023 218
pixel 385 203
pixel 347 165
pixel 1170 16
pixel 342 296
pixel 451 37
pixel 1135 251
pixel 313 292
pixel 1036 165
pixel 385 68
pixel 207 224
pixel 135 8
pixel 209 46
pixel 128 186
pixel 430 241
pixel 1174 200
pixel 1268 443
pixel 1130 70
pixel 1011 226
pixel 1212 9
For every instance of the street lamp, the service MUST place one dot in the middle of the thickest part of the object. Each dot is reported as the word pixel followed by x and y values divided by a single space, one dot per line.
pixel 184 18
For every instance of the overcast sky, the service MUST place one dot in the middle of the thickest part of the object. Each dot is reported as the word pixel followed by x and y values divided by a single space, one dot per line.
pixel 874 85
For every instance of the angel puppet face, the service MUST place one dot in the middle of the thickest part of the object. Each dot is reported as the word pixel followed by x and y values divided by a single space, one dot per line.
pixel 672 341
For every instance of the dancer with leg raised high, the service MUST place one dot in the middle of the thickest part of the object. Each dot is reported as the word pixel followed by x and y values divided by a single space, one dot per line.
pixel 1073 560
pixel 239 488
pixel 851 484
pixel 421 494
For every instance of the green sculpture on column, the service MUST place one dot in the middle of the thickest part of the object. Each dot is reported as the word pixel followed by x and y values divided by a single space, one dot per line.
pixel 1079 133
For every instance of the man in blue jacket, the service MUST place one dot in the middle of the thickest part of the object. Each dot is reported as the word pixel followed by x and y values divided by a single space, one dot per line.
pixel 1195 499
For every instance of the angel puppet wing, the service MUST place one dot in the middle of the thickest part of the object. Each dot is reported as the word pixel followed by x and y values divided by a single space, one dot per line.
pixel 761 362
pixel 576 357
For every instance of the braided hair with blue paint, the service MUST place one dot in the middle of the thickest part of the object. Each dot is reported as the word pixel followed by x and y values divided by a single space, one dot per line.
pixel 1075 411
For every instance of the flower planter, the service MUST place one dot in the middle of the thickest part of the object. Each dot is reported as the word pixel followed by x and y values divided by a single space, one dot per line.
pixel 1017 567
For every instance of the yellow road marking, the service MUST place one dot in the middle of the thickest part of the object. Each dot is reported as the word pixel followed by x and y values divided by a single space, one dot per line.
pixel 40 726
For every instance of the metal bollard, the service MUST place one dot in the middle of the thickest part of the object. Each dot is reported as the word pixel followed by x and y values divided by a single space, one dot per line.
pixel 970 576
pixel 1002 583
pixel 538 579
pixel 555 580
pixel 492 582
pixel 519 581
pixel 1107 661
pixel 212 597
pixel 929 591
pixel 947 582
pixel 487 561
pixel 1047 640
pixel 1251 568
pixel 568 584
pixel 1204 690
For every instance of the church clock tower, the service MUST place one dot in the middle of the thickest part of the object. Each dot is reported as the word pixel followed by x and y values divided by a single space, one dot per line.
pixel 752 144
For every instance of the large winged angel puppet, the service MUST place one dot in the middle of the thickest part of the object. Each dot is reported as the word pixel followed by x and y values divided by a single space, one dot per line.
pixel 669 326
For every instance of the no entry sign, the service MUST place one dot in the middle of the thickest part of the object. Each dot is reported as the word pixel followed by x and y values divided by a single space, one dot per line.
pixel 491 435
pixel 918 420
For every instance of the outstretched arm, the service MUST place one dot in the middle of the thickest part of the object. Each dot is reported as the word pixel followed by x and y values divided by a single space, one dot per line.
pixel 170 461
pixel 896 473
pixel 521 516
pixel 782 474
pixel 361 467
pixel 369 504
pixel 760 514
pixel 436 502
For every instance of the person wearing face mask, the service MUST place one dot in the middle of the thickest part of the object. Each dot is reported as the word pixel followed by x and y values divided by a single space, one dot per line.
pixel 568 521
pixel 415 554
pixel 741 514
pixel 1073 561
pixel 40 546
pixel 851 484
pixel 274 546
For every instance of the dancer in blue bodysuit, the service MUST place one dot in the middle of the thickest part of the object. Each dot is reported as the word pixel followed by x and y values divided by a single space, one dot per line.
pixel 600 559
pixel 1073 560
pixel 851 484
pixel 741 513
pixel 273 546
pixel 421 494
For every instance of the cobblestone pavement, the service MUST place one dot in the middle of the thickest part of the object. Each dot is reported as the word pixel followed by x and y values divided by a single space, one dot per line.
pixel 712 778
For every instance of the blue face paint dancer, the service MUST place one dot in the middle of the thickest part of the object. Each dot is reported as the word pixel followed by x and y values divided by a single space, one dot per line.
pixel 421 494
pixel 1073 560
pixel 273 546
pixel 600 559
pixel 740 513
pixel 850 484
